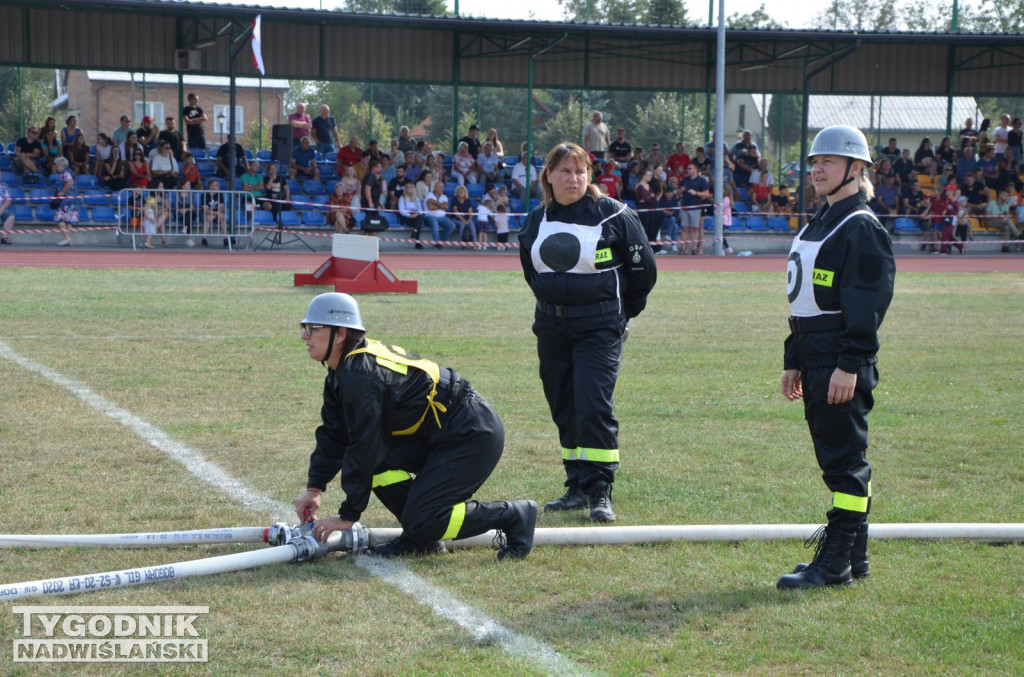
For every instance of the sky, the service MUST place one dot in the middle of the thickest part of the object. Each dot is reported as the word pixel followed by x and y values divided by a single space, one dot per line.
pixel 787 12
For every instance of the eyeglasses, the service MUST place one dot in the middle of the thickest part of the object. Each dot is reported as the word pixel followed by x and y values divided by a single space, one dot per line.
pixel 307 328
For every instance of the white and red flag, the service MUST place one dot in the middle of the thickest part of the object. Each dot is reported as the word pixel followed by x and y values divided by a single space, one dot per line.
pixel 257 45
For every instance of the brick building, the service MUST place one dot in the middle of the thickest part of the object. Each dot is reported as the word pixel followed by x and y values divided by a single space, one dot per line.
pixel 100 98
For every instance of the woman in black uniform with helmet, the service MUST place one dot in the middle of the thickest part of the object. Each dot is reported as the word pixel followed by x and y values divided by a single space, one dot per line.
pixel 590 265
pixel 415 434
pixel 840 282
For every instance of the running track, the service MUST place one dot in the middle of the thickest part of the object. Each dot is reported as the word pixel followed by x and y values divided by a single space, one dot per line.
pixel 400 262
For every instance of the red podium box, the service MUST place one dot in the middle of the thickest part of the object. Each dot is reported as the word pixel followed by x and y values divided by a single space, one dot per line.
pixel 355 267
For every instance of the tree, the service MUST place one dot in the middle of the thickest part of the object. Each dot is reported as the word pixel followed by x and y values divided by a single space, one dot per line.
pixel 356 121
pixel 857 15
pixel 785 116
pixel 429 7
pixel 37 91
pixel 561 127
pixel 757 19
pixel 651 12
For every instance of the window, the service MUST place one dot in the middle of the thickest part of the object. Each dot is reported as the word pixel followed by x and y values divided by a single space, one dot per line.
pixel 154 109
pixel 223 110
pixel 743 116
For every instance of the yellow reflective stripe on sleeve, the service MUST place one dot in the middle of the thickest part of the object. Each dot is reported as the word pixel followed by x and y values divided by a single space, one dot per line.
pixel 455 523
pixel 568 454
pixel 393 366
pixel 389 477
pixel 598 455
pixel 849 502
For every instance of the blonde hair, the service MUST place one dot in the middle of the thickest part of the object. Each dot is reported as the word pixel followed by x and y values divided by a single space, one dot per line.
pixel 461 189
pixel 558 156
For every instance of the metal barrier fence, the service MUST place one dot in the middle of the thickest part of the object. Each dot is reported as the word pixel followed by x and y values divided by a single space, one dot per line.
pixel 146 213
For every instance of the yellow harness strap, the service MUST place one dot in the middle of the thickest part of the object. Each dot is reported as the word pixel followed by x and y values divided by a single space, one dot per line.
pixel 398 360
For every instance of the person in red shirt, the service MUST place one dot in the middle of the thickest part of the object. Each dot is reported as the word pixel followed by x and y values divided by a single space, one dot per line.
pixel 610 180
pixel 349 155
pixel 678 161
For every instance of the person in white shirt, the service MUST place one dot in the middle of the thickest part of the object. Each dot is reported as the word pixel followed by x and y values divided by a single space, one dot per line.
pixel 519 180
pixel 410 212
pixel 437 214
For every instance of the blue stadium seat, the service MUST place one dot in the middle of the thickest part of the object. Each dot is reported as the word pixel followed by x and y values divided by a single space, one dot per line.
pixel 321 199
pixel 206 168
pixel 39 193
pixel 198 153
pixel 248 154
pixel 756 223
pixel 104 215
pixel 391 218
pixel 313 218
pixel 54 181
pixel 261 217
pixel 331 158
pixel 449 189
pixel 709 223
pixel 330 186
pixel 313 187
pixel 10 178
pixel 264 155
pixel 905 225
pixel 290 219
pixel 5 163
pixel 780 223
pixel 740 207
pixel 476 190
pixel 84 181
pixel 742 195
pixel 23 212
pixel 293 187
pixel 44 213
pixel 16 193
pixel 94 197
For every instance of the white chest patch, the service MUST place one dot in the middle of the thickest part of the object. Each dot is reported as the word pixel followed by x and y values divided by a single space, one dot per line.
pixel 565 248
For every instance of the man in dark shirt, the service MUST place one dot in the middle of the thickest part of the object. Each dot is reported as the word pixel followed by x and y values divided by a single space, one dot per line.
pixel 620 149
pixel 241 163
pixel 976 194
pixel 904 167
pixel 472 141
pixel 892 151
pixel 28 151
pixel 325 131
pixel 396 186
pixel 147 134
pixel 172 137
pixel 194 119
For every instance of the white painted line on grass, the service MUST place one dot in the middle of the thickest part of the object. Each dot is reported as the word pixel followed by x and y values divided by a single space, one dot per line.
pixel 483 629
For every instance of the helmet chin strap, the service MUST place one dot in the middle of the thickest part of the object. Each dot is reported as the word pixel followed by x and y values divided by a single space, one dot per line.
pixel 846 178
pixel 330 346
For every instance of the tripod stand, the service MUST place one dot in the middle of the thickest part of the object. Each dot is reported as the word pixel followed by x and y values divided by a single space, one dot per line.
pixel 276 236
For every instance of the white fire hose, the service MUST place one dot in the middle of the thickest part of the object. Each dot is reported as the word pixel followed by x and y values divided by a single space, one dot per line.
pixel 297 544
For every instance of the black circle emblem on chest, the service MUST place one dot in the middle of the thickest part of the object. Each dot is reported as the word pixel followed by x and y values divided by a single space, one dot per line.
pixel 560 251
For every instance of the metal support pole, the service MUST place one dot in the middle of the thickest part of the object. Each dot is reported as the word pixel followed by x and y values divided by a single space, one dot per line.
pixel 719 130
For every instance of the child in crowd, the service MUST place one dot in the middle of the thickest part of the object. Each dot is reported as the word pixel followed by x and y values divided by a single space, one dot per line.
pixel 501 225
pixel 484 211
pixel 964 232
pixel 152 223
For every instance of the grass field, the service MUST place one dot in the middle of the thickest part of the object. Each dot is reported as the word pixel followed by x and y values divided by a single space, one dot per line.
pixel 214 360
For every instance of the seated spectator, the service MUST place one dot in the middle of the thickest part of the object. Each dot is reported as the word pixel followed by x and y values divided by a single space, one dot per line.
pixel 362 167
pixel 782 202
pixel 303 165
pixel 903 166
pixel 78 155
pixel 913 199
pixel 28 153
pixel 115 171
pixel 989 166
pixel 352 187
pixel 252 181
pixel 340 209
pixel 412 167
pixel 349 155
pixel 998 216
pixel 669 204
pixel 396 187
pixel 6 214
pixel 436 169
pixel 887 202
pixel 945 154
pixel 500 196
pixel 761 196
pixel 138 170
pixel 489 164
pixel 223 153
pixel 51 150
pixel 214 211
pixel 130 145
pixel 172 137
pixel 397 156
pixel 185 212
pixel 120 135
pixel 374 151
pixel 656 157
pixel 609 180
pixel 147 135
pixel 492 138
pixel 277 193
pixel 436 214
pixel 762 169
pixel 883 169
pixel 924 158
pixel 678 161
pixel 1007 177
pixel 189 170
pixel 892 151
pixel 387 171
pixel 524 179
pixel 462 215
pixel 163 168
pixel 946 177
pixel 103 148
pixel 410 212
pixel 976 194
pixel 68 135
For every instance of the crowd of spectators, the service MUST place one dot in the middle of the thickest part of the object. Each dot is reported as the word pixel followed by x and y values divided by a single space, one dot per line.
pixel 476 191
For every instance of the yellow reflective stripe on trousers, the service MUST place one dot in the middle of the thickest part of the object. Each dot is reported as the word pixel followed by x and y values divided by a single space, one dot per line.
pixel 849 502
pixel 586 454
pixel 389 477
pixel 455 523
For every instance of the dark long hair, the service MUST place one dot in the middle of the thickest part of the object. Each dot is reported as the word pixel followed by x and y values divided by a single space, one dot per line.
pixel 559 155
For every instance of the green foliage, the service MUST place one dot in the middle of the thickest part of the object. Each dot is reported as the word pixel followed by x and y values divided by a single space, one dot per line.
pixel 759 18
pixel 258 135
pixel 649 12
pixel 563 126
pixel 365 122
pixel 429 7
pixel 784 118
pixel 37 91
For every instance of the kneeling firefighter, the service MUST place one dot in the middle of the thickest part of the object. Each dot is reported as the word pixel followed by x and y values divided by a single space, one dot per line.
pixel 415 434
pixel 841 273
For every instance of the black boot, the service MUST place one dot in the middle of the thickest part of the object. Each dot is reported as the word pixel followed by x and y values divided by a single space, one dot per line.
pixel 405 545
pixel 574 499
pixel 831 563
pixel 858 555
pixel 600 495
pixel 516 524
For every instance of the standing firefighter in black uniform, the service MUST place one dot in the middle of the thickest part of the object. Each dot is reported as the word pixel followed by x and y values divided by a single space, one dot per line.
pixel 840 282
pixel 589 264
pixel 415 434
